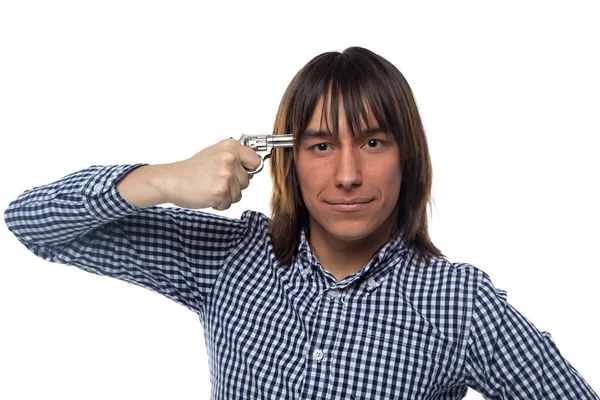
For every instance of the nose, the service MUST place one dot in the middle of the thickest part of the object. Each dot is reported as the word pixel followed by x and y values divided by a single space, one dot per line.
pixel 348 171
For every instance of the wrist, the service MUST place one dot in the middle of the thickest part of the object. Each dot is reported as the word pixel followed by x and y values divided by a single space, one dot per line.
pixel 159 179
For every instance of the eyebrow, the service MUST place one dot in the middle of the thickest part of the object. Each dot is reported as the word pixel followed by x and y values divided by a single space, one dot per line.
pixel 311 133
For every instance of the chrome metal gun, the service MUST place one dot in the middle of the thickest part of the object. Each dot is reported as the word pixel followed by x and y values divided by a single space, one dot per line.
pixel 264 144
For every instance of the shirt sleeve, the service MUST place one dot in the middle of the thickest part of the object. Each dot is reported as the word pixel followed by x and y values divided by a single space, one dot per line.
pixel 509 358
pixel 82 220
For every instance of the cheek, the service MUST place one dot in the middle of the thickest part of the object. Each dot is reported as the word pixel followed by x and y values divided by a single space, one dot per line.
pixel 300 173
pixel 309 172
pixel 384 168
pixel 387 176
pixel 303 176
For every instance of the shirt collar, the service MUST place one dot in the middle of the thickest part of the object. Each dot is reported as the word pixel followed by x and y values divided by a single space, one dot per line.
pixel 308 259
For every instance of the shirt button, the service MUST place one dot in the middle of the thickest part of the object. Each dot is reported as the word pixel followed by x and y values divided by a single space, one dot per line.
pixel 97 188
pixel 318 355
pixel 372 282
pixel 334 293
pixel 306 272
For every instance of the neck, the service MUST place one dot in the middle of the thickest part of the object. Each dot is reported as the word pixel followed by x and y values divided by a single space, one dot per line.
pixel 345 257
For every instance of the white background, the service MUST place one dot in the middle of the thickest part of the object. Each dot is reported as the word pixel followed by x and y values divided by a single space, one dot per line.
pixel 508 94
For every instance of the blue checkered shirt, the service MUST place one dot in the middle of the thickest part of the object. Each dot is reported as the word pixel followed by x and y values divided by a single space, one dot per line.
pixel 388 331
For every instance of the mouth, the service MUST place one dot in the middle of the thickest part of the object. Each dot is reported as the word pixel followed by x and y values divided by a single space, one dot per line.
pixel 354 206
pixel 354 202
pixel 358 200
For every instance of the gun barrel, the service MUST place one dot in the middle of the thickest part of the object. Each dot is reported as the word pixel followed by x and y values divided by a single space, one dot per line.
pixel 281 140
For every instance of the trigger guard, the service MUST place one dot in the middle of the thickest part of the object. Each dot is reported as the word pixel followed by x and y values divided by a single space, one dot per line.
pixel 260 167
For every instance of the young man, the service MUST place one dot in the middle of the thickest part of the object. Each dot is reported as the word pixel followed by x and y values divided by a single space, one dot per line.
pixel 340 294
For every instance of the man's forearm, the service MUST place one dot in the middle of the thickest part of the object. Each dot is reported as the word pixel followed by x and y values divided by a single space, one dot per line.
pixel 145 186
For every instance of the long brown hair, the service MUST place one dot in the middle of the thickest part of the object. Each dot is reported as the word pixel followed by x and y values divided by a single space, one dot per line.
pixel 359 78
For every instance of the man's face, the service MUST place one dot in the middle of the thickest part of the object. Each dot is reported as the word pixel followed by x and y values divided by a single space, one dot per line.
pixel 331 171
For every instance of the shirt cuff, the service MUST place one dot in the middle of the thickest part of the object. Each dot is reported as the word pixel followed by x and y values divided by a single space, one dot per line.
pixel 101 197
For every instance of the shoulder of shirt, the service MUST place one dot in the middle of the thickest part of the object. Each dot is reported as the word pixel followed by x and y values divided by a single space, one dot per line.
pixel 455 287
pixel 256 221
pixel 254 217
pixel 443 273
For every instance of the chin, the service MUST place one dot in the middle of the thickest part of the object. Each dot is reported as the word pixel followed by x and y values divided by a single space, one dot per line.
pixel 349 233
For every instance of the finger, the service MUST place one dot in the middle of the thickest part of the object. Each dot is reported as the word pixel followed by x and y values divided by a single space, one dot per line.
pixel 223 199
pixel 235 191
pixel 242 176
pixel 224 204
pixel 249 159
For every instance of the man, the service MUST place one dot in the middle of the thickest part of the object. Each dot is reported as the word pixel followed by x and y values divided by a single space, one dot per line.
pixel 340 294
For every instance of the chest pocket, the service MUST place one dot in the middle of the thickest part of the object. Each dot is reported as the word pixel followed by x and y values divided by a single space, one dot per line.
pixel 402 358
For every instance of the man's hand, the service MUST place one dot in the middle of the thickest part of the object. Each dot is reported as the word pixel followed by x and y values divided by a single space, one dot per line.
pixel 213 177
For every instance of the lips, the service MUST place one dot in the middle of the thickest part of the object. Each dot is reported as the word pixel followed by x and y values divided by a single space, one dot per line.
pixel 357 200
pixel 350 207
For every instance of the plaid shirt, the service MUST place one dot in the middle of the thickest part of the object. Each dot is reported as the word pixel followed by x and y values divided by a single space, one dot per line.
pixel 293 331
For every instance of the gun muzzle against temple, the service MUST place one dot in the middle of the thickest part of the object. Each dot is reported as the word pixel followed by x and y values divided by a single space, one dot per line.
pixel 264 144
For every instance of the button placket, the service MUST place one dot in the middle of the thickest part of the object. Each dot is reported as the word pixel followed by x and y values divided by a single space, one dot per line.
pixel 317 355
pixel 97 188
pixel 372 284
pixel 306 272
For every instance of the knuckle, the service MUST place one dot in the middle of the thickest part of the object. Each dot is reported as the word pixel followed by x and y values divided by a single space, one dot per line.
pixel 225 176
pixel 221 190
pixel 229 144
pixel 228 158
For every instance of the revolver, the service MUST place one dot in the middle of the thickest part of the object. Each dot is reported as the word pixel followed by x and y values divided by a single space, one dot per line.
pixel 264 144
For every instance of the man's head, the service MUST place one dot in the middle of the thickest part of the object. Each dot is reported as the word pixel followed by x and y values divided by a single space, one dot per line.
pixel 342 163
pixel 346 93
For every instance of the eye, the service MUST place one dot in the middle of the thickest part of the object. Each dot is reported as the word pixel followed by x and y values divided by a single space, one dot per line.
pixel 371 141
pixel 321 146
